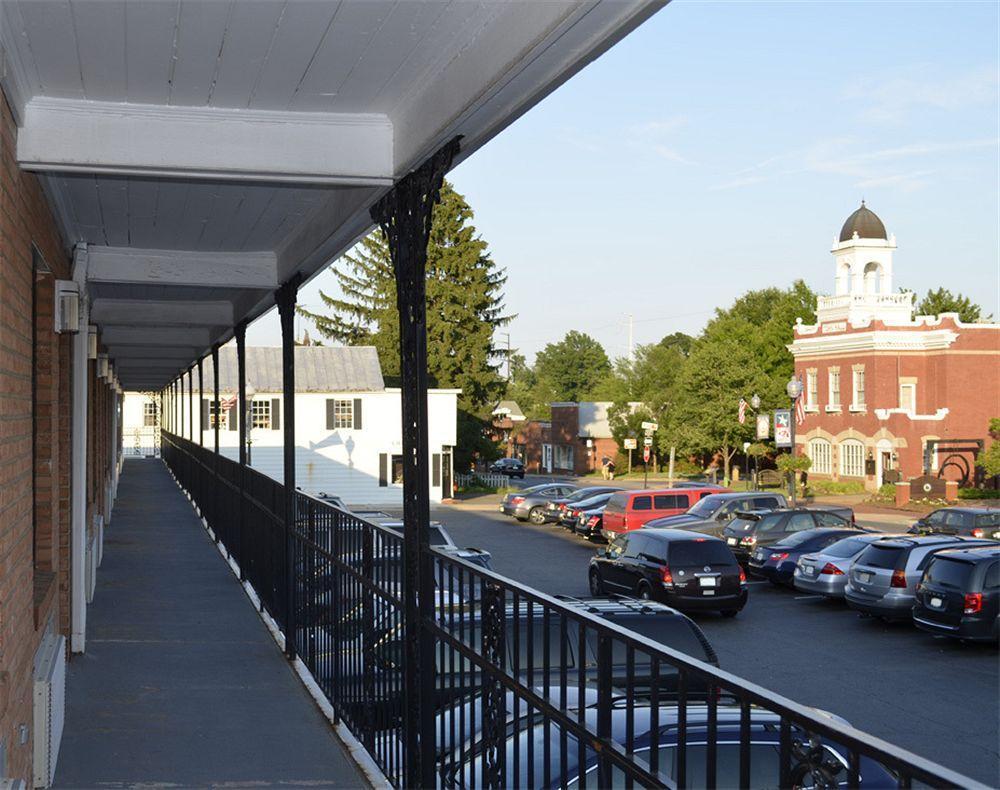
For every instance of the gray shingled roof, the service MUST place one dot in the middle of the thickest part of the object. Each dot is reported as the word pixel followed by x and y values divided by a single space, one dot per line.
pixel 317 369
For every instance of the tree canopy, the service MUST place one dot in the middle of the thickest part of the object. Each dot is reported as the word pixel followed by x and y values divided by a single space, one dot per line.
pixel 572 369
pixel 944 301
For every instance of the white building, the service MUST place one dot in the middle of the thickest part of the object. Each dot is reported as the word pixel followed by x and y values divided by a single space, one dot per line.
pixel 347 422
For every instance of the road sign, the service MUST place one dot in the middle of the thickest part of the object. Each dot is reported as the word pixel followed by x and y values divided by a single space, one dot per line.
pixel 650 426
pixel 647 441
pixel 645 454
pixel 763 426
pixel 630 443
pixel 783 428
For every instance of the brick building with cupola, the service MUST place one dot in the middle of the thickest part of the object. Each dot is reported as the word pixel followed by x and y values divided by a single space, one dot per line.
pixel 888 394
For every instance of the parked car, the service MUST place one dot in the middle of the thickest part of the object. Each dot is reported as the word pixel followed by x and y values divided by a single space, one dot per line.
pixel 959 594
pixel 825 571
pixel 777 562
pixel 441 540
pixel 555 508
pixel 755 529
pixel 682 569
pixel 816 762
pixel 883 579
pixel 628 510
pixel 512 467
pixel 570 515
pixel 589 523
pixel 520 503
pixel 977 522
pixel 721 506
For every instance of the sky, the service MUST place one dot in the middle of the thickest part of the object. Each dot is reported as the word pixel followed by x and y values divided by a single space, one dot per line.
pixel 720 147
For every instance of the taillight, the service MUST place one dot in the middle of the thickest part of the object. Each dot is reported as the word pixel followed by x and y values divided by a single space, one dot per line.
pixel 748 541
pixel 832 570
pixel 898 579
pixel 743 575
pixel 780 557
pixel 973 603
pixel 517 500
pixel 666 576
pixel 592 522
pixel 979 532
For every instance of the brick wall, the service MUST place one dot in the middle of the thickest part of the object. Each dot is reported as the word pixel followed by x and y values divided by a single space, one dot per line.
pixel 29 559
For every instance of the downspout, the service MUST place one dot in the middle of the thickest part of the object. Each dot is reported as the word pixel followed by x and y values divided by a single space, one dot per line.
pixel 78 533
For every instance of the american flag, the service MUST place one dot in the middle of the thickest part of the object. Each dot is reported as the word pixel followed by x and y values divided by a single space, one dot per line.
pixel 800 408
pixel 743 411
pixel 225 404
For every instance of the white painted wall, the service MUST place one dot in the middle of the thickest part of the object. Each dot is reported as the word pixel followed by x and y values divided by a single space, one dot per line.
pixel 344 462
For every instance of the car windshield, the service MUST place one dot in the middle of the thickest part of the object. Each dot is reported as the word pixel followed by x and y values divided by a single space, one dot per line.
pixel 582 493
pixel 797 539
pixel 671 631
pixel 948 572
pixel 536 489
pixel 988 519
pixel 768 523
pixel 742 524
pixel 705 508
pixel 700 552
pixel 881 556
pixel 847 547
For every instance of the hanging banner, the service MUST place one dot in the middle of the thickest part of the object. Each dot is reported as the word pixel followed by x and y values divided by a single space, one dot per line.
pixel 763 426
pixel 783 428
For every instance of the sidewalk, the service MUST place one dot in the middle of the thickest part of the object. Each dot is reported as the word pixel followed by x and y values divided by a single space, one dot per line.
pixel 181 684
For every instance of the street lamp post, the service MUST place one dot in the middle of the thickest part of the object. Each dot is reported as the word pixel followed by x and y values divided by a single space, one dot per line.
pixel 794 390
pixel 755 405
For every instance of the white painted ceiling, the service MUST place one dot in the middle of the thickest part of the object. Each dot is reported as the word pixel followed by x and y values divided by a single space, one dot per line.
pixel 267 126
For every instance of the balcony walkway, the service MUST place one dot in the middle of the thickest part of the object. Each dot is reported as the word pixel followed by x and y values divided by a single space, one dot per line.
pixel 181 684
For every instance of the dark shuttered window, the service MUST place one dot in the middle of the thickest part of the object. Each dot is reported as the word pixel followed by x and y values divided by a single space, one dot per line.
pixel 357 414
pixel 436 469
pixel 383 470
pixel 275 414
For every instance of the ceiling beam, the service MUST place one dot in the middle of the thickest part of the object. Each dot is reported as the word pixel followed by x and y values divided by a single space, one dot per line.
pixel 73 135
pixel 131 352
pixel 132 363
pixel 113 335
pixel 145 312
pixel 175 267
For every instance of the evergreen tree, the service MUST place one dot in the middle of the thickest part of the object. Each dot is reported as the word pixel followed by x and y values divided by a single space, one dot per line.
pixel 944 301
pixel 464 308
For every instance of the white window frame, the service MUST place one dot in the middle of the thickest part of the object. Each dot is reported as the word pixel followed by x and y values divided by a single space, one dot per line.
pixel 343 413
pixel 911 387
pixel 223 422
pixel 852 464
pixel 260 414
pixel 812 390
pixel 149 414
pixel 833 403
pixel 563 452
pixel 821 454
pixel 858 389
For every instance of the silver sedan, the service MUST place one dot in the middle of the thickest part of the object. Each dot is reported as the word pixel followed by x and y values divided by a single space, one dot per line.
pixel 826 571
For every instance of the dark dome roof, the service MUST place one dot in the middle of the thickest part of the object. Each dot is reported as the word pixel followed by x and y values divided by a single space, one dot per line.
pixel 866 223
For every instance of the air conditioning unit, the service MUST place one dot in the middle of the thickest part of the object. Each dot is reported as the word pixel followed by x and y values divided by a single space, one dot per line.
pixel 50 710
pixel 67 307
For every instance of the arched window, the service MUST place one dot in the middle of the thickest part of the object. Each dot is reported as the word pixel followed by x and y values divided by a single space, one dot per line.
pixel 852 458
pixel 819 453
pixel 844 278
pixel 873 276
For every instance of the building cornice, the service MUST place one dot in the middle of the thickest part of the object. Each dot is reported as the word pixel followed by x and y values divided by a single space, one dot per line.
pixel 877 340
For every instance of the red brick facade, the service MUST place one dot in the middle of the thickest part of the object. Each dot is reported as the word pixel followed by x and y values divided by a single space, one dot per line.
pixel 572 449
pixel 35 448
pixel 929 379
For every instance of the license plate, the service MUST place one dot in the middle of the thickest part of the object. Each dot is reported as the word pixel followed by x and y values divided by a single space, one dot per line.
pixel 865 577
pixel 937 603
pixel 731 541
pixel 759 555
pixel 708 592
pixel 808 570
pixel 707 581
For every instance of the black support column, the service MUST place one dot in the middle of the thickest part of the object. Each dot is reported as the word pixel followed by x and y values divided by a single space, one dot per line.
pixel 241 417
pixel 191 403
pixel 201 398
pixel 215 394
pixel 285 299
pixel 404 215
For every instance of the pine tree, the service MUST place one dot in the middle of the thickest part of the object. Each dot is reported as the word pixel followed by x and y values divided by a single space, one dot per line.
pixel 464 308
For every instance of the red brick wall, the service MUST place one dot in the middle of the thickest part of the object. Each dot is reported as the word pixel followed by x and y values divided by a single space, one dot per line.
pixel 27 586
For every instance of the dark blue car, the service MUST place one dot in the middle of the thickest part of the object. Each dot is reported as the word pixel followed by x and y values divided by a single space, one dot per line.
pixel 777 561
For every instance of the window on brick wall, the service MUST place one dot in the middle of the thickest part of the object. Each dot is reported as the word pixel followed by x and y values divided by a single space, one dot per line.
pixel 811 389
pixel 852 458
pixel 858 401
pixel 820 453
pixel 834 387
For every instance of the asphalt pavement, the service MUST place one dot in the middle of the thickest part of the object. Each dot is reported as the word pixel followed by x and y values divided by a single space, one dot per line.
pixel 935 697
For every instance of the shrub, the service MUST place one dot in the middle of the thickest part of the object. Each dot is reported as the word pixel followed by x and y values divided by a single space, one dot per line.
pixel 978 493
pixel 820 487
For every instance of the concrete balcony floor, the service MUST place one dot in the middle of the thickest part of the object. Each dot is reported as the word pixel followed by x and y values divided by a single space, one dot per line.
pixel 181 684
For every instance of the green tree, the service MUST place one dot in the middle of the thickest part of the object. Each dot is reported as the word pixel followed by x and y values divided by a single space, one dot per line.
pixel 572 369
pixel 989 459
pixel 523 389
pixel 464 308
pixel 944 301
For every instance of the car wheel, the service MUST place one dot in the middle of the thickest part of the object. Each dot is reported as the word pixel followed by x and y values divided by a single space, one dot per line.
pixel 730 612
pixel 643 592
pixel 536 515
pixel 596 585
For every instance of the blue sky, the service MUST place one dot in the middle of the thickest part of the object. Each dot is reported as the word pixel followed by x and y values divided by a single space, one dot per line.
pixel 720 147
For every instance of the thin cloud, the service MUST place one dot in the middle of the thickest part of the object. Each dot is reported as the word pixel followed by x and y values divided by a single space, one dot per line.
pixel 893 99
pixel 658 137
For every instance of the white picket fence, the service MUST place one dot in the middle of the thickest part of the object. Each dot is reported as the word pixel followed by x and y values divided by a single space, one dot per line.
pixel 491 479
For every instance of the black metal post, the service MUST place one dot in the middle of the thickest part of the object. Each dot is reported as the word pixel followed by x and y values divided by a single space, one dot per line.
pixel 191 403
pixel 201 395
pixel 241 409
pixel 215 393
pixel 285 299
pixel 791 450
pixel 404 215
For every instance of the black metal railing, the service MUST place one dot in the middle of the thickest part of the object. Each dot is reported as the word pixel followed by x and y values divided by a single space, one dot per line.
pixel 530 690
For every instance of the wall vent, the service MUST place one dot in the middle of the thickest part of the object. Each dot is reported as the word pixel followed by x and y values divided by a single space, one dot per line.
pixel 50 710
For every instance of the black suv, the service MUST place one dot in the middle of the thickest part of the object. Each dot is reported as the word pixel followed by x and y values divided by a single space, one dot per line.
pixel 721 508
pixel 976 522
pixel 683 569
pixel 512 467
pixel 757 528
pixel 959 594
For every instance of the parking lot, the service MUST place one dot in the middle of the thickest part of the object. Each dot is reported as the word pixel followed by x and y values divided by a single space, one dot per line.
pixel 935 697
